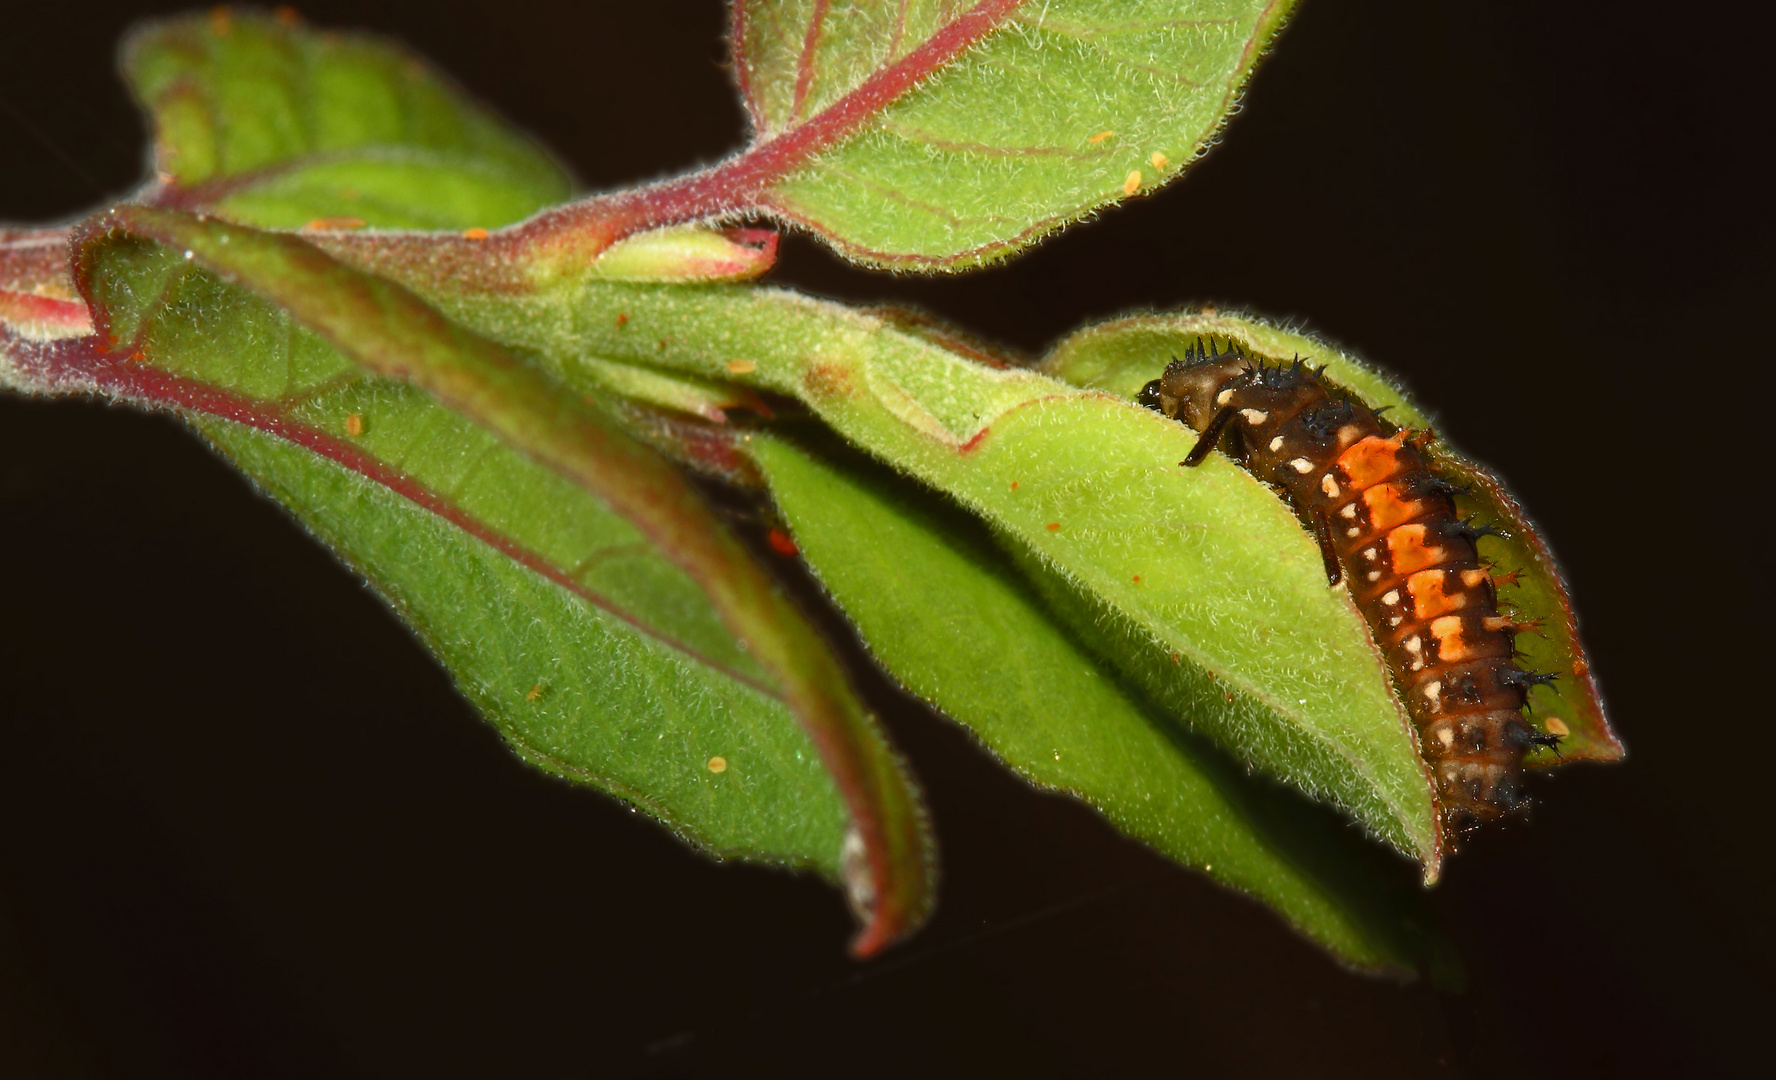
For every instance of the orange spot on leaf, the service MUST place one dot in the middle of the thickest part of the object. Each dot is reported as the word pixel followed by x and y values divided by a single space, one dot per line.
pixel 622 319
pixel 781 542
pixel 333 224
pixel 477 233
pixel 1053 526
pixel 535 692
pixel 1101 136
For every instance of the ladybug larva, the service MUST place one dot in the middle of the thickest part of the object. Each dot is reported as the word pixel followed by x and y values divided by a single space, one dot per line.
pixel 1387 528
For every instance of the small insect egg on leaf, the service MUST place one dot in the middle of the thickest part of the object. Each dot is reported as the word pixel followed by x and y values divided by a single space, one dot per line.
pixel 1157 160
pixel 1101 136
pixel 535 692
pixel 476 233
pixel 354 425
pixel 741 367
pixel 718 764
pixel 1053 526
pixel 1132 182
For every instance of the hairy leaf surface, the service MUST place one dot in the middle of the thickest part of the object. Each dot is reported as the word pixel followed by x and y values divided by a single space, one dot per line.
pixel 265 121
pixel 1052 110
pixel 1199 583
pixel 931 594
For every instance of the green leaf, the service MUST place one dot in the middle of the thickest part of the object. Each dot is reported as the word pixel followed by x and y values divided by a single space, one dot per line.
pixel 1049 111
pixel 932 596
pixel 1198 584
pixel 511 463
pixel 266 121
pixel 1117 357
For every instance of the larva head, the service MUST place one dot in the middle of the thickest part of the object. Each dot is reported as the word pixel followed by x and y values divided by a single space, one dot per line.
pixel 1188 389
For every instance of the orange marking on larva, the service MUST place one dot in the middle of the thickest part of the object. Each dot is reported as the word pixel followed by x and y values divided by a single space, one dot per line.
pixel 1409 552
pixel 1453 645
pixel 1473 579
pixel 1387 508
pixel 476 233
pixel 1430 598
pixel 1371 461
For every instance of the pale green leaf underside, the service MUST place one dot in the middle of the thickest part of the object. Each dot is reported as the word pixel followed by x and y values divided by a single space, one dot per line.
pixel 612 706
pixel 1059 112
pixel 1230 601
pixel 631 683
pixel 930 594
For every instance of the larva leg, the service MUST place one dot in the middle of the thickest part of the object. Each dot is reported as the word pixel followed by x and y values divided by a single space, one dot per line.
pixel 1210 436
pixel 1323 533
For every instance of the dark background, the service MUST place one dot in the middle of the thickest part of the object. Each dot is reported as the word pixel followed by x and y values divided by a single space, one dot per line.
pixel 247 828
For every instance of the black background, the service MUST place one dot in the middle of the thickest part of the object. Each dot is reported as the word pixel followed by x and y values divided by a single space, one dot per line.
pixel 247 828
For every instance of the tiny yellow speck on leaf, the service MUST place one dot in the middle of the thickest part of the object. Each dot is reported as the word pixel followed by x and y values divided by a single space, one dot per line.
pixel 477 233
pixel 535 692
pixel 1158 160
pixel 718 764
pixel 354 425
pixel 741 367
pixel 1101 136
pixel 1132 182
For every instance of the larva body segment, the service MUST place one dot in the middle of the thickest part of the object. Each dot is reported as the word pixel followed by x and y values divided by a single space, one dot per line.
pixel 1388 527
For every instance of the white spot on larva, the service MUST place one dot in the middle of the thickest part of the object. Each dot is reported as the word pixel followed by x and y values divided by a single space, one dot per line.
pixel 1353 532
pixel 1396 620
pixel 1255 416
pixel 1349 511
pixel 1301 465
pixel 1373 575
pixel 1224 397
pixel 1276 444
pixel 1371 554
pixel 1433 692
pixel 1413 645
pixel 1330 486
pixel 1391 597
pixel 1446 735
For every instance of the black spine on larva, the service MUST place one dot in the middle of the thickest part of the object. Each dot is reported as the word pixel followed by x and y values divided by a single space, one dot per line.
pixel 1411 565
